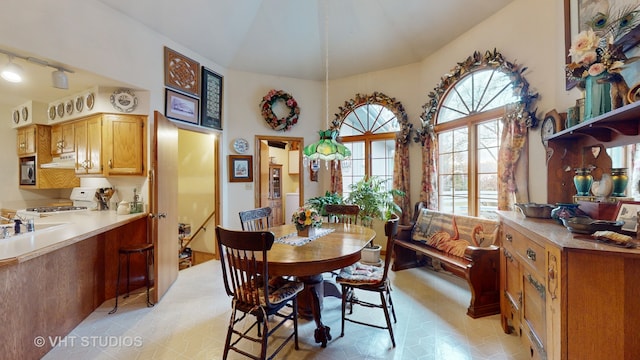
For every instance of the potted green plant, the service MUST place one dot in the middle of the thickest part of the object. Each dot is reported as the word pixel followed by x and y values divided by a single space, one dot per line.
pixel 319 202
pixel 375 200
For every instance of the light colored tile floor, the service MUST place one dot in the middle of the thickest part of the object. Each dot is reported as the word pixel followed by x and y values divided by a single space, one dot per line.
pixel 190 323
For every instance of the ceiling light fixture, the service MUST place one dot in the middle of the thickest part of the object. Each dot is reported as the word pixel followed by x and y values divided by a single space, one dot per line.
pixel 14 73
pixel 60 80
pixel 327 148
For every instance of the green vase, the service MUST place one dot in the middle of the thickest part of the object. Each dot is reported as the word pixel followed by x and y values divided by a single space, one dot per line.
pixel 583 180
pixel 620 180
pixel 597 97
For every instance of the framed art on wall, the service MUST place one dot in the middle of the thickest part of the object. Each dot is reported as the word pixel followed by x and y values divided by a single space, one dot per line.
pixel 181 107
pixel 240 168
pixel 181 73
pixel 211 104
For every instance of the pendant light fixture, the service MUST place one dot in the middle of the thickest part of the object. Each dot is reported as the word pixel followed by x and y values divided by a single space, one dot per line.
pixel 327 148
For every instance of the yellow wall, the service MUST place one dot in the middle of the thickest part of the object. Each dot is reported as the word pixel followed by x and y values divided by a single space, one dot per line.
pixel 196 186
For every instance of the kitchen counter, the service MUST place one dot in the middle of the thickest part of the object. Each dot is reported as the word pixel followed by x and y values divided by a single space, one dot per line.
pixel 540 230
pixel 58 231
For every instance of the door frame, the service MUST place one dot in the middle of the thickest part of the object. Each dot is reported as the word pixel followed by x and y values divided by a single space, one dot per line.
pixel 287 139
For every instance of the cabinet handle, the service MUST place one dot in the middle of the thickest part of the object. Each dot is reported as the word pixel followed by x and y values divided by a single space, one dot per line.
pixel 110 163
pixel 539 287
pixel 531 255
pixel 509 237
pixel 508 255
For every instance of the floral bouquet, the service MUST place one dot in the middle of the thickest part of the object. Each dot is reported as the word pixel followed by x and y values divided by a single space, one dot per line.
pixel 304 217
pixel 594 51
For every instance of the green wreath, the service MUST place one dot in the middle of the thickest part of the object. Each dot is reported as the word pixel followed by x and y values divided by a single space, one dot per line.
pixel 276 123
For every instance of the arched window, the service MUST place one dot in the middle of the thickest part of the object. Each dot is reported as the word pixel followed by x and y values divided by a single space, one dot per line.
pixel 464 124
pixel 468 127
pixel 368 126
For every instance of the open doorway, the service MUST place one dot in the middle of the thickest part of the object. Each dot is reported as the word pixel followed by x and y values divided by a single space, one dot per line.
pixel 280 177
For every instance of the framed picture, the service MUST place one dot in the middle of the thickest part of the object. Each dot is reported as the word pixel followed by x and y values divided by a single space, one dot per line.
pixel 578 12
pixel 240 168
pixel 211 103
pixel 627 211
pixel 181 73
pixel 181 107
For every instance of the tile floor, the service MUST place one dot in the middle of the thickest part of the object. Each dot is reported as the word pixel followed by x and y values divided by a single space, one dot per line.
pixel 190 323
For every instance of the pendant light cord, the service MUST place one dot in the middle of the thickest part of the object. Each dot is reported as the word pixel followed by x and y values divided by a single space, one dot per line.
pixel 326 61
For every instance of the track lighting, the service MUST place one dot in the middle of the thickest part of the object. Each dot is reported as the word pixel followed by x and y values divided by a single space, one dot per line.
pixel 59 79
pixel 12 72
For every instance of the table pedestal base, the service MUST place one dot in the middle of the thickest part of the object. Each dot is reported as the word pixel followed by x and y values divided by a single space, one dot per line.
pixel 310 304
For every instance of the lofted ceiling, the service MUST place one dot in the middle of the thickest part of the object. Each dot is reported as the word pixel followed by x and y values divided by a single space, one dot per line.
pixel 289 37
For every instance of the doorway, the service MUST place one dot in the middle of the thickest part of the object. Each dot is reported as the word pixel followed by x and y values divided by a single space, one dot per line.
pixel 280 180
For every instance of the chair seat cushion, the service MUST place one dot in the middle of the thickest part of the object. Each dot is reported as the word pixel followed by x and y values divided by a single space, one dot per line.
pixel 281 289
pixel 359 273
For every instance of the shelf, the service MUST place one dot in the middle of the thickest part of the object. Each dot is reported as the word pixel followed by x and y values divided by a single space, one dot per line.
pixel 617 127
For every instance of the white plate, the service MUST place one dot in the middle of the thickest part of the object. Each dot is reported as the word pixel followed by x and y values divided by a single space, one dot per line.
pixel 79 103
pixel 240 145
pixel 124 100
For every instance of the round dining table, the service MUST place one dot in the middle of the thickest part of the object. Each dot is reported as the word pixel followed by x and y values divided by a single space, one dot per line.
pixel 307 259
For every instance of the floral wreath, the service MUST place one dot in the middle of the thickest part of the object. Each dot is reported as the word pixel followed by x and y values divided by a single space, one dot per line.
pixel 276 123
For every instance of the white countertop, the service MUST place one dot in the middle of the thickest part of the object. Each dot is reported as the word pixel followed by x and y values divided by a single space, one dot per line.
pixel 60 230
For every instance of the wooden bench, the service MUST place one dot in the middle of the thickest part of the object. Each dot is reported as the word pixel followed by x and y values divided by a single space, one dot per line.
pixel 436 240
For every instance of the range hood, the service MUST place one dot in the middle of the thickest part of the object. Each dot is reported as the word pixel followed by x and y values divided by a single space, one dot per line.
pixel 63 162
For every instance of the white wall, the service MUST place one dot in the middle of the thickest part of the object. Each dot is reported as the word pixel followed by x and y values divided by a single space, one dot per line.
pixel 88 35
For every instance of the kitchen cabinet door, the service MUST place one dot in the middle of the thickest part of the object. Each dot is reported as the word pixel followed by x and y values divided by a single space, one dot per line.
pixel 62 139
pixel 124 145
pixel 26 142
pixel 88 141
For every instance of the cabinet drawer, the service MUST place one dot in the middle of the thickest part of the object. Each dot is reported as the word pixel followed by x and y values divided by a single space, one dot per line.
pixel 528 251
pixel 512 291
pixel 536 350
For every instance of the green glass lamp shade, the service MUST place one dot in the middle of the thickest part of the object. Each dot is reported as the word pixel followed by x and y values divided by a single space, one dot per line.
pixel 327 148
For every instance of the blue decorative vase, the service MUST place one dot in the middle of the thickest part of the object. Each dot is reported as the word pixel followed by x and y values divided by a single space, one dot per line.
pixel 583 180
pixel 620 180
pixel 597 98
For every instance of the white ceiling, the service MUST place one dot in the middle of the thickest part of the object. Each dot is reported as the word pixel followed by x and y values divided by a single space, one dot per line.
pixel 287 37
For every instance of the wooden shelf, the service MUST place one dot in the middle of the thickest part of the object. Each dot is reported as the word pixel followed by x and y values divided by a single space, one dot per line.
pixel 617 127
pixel 572 148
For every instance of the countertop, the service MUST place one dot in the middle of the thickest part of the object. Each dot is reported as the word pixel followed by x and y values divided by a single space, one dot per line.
pixel 60 230
pixel 541 230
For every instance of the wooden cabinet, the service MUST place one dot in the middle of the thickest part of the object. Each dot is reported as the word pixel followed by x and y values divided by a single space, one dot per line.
pixel 88 140
pixel 110 145
pixel 523 285
pixel 26 141
pixel 575 148
pixel 34 144
pixel 275 193
pixel 567 297
pixel 62 139
pixel 124 144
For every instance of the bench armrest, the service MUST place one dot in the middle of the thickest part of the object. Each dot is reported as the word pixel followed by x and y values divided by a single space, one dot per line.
pixel 404 232
pixel 474 252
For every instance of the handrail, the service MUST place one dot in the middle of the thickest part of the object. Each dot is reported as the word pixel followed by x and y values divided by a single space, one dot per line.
pixel 191 237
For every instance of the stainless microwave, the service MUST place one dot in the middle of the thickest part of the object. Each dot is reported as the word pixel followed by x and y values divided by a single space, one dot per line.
pixel 27 172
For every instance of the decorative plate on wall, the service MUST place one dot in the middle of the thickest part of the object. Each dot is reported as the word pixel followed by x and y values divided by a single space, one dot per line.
pixel 52 112
pixel 16 116
pixel 79 103
pixel 124 100
pixel 240 145
pixel 25 113
pixel 60 110
pixel 69 107
pixel 90 101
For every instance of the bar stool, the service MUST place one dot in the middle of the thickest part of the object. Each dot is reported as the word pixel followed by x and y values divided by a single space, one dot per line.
pixel 146 249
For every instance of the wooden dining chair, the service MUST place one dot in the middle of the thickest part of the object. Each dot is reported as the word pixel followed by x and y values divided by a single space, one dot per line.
pixel 244 261
pixel 342 213
pixel 370 278
pixel 256 219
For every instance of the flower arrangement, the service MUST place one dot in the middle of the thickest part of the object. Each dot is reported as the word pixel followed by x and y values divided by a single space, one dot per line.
pixel 594 51
pixel 304 217
pixel 276 123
